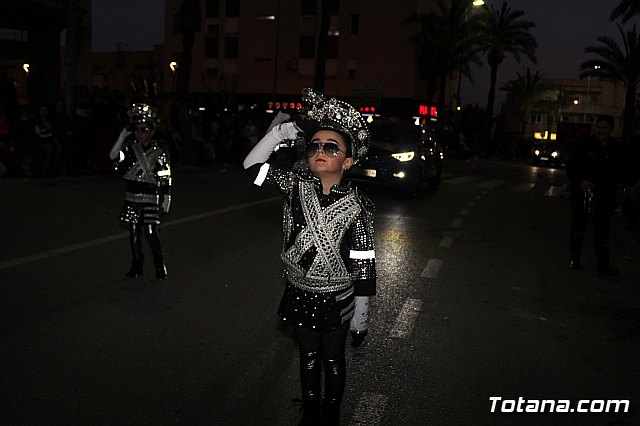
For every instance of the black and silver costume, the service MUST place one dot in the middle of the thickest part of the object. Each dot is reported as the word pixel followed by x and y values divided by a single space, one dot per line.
pixel 146 170
pixel 328 252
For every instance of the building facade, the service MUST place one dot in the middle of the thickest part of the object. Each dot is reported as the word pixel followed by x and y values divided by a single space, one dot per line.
pixel 268 49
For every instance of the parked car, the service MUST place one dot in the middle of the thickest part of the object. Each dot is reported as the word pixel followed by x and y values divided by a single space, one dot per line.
pixel 550 153
pixel 401 156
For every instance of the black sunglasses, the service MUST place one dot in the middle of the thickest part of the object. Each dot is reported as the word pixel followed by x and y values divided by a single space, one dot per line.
pixel 330 149
pixel 142 129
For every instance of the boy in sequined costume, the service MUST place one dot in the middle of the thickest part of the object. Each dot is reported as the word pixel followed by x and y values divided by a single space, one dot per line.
pixel 147 172
pixel 328 249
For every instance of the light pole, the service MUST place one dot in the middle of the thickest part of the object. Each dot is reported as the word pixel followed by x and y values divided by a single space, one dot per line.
pixel 475 3
pixel 595 67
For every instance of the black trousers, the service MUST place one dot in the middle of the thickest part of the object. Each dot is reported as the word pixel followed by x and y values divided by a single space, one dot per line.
pixel 135 238
pixel 327 347
pixel 600 219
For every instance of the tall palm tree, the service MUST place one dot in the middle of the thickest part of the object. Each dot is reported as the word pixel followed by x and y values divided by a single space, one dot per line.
pixel 447 41
pixel 626 10
pixel 618 63
pixel 529 90
pixel 504 32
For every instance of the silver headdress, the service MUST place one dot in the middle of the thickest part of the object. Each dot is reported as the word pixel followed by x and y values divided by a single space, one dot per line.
pixel 333 114
pixel 143 113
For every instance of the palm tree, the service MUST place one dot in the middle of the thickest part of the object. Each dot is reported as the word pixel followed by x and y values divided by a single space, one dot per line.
pixel 626 10
pixel 504 32
pixel 529 90
pixel 618 64
pixel 447 42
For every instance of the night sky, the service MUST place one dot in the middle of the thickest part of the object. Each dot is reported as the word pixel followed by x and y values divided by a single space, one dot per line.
pixel 563 29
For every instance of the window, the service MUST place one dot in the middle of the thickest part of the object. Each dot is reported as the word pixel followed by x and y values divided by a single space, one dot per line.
pixel 307 47
pixel 211 47
pixel 232 8
pixel 355 24
pixel 211 72
pixel 332 47
pixel 536 118
pixel 212 30
pixel 351 69
pixel 231 47
pixel 308 7
pixel 333 6
pixel 212 8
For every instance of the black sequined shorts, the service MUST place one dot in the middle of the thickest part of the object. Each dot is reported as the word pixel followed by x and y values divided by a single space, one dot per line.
pixel 317 311
pixel 148 214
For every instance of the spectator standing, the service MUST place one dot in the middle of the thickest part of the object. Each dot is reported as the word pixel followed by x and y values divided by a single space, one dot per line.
pixel 594 170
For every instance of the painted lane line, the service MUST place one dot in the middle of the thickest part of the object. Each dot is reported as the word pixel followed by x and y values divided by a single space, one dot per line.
pixel 121 235
pixel 554 191
pixel 471 204
pixel 523 187
pixel 490 184
pixel 369 410
pixel 406 319
pixel 456 224
pixel 464 212
pixel 446 242
pixel 478 197
pixel 463 179
pixel 432 268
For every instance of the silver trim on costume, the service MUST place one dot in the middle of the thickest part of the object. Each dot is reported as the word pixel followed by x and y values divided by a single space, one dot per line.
pixel 362 254
pixel 262 174
pixel 141 171
pixel 142 198
pixel 325 230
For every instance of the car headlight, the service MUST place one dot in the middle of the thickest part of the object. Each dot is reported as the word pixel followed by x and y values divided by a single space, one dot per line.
pixel 554 154
pixel 536 152
pixel 404 156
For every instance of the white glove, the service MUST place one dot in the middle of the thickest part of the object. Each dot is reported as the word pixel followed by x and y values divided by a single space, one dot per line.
pixel 359 325
pixel 115 149
pixel 263 149
pixel 281 117
pixel 166 203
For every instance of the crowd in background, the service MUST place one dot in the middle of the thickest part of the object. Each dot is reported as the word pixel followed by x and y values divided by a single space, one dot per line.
pixel 49 142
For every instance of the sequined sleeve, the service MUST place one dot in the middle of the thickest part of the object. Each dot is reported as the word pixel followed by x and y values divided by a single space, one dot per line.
pixel 163 172
pixel 266 176
pixel 362 256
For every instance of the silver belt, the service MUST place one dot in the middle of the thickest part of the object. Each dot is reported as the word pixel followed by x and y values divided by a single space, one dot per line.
pixel 142 198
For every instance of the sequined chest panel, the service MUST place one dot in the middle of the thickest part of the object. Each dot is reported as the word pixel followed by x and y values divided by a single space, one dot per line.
pixel 324 230
pixel 142 169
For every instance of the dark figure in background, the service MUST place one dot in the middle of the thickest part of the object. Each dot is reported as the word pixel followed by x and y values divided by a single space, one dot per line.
pixel 328 247
pixel 46 151
pixel 147 172
pixel 631 201
pixel 595 171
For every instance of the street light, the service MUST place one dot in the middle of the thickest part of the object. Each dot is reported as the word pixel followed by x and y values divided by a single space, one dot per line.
pixel 475 3
pixel 25 67
pixel 595 67
pixel 173 65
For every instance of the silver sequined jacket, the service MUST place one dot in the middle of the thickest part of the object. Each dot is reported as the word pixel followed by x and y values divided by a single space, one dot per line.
pixel 147 171
pixel 328 239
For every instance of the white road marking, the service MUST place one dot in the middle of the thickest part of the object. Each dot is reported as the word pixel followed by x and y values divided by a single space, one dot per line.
pixel 369 410
pixel 456 224
pixel 463 179
pixel 471 203
pixel 464 212
pixel 406 319
pixel 446 242
pixel 108 239
pixel 523 187
pixel 490 184
pixel 478 197
pixel 554 191
pixel 432 268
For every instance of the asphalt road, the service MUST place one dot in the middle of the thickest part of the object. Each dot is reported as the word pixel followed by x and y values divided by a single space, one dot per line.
pixel 475 301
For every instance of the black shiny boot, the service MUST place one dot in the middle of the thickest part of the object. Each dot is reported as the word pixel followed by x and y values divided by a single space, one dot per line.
pixel 335 376
pixel 310 373
pixel 136 270
pixel 161 269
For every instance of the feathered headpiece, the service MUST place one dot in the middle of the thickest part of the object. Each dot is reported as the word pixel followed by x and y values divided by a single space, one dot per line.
pixel 332 114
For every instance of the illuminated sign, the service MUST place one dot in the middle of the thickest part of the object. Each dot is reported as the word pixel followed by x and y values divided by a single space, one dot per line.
pixel 283 105
pixel 426 110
